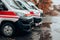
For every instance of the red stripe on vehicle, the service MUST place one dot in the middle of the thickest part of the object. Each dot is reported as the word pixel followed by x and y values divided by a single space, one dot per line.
pixel 7 13
pixel 8 16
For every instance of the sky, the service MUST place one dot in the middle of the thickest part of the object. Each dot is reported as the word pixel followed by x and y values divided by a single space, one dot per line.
pixel 56 2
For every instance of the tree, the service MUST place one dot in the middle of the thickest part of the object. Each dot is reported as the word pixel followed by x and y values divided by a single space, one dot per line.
pixel 43 4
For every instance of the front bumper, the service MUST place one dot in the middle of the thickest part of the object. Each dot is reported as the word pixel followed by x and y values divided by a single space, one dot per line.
pixel 24 24
pixel 37 20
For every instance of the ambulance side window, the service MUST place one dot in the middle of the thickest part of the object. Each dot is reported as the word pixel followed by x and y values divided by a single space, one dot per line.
pixel 2 6
pixel 23 7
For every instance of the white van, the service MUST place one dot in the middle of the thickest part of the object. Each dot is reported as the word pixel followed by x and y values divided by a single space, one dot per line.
pixel 31 7
pixel 13 18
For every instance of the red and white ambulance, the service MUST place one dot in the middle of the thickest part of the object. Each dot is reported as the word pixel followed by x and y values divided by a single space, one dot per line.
pixel 35 11
pixel 13 18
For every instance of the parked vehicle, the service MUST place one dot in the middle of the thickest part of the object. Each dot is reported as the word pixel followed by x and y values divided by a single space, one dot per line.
pixel 36 13
pixel 13 18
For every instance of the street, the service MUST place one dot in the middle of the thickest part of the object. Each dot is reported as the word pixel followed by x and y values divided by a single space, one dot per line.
pixel 35 35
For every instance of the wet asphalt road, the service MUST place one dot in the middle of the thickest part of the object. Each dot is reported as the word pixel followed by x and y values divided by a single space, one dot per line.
pixel 34 35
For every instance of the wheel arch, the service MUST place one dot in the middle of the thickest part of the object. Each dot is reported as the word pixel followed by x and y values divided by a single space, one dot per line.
pixel 4 21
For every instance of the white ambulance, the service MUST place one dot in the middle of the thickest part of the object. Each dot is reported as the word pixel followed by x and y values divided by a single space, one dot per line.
pixel 36 13
pixel 13 18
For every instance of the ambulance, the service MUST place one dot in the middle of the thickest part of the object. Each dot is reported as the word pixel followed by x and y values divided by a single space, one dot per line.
pixel 14 18
pixel 36 12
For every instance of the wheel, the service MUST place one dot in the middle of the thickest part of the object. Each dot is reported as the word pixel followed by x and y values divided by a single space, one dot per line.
pixel 8 29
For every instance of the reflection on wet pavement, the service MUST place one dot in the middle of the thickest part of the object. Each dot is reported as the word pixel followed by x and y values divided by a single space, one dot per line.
pixel 35 35
pixel 45 33
pixel 38 34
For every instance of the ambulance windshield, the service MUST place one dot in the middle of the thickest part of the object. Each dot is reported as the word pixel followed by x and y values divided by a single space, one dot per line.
pixel 31 5
pixel 18 5
pixel 24 4
pixel 13 4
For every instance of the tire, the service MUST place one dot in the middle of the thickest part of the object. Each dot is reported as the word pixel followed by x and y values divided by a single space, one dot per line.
pixel 8 29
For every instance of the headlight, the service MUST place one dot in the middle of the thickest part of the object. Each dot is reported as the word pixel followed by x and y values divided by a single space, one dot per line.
pixel 30 14
pixel 27 15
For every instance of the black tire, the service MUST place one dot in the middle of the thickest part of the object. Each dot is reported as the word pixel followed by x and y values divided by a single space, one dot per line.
pixel 10 26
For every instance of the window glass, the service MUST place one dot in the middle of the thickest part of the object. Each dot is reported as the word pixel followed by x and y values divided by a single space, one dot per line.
pixel 21 5
pixel 31 6
pixel 12 4
pixel 2 6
